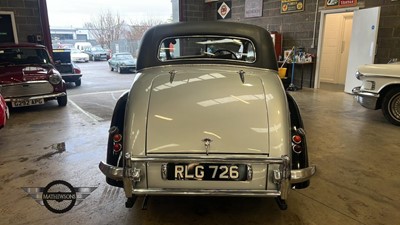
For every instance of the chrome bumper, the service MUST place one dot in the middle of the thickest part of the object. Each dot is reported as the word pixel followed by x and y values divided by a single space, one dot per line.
pixel 112 172
pixel 366 99
pixel 49 96
pixel 296 176
pixel 282 177
pixel 301 175
pixel 71 77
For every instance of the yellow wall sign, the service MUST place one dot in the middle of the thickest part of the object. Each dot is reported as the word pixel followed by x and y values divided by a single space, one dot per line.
pixel 340 3
pixel 289 6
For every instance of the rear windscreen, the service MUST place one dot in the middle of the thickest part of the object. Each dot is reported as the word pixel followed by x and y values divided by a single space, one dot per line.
pixel 207 48
pixel 20 56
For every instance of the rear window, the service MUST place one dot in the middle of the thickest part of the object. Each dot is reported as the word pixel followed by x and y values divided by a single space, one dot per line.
pixel 20 56
pixel 207 48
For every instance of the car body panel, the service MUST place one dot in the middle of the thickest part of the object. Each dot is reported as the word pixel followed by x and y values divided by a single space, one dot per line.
pixel 380 70
pixel 4 112
pixel 222 91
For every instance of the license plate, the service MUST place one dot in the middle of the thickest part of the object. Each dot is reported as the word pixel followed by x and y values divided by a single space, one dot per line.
pixel 26 102
pixel 206 171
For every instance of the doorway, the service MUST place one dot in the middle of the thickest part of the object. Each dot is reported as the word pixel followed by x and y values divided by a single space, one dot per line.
pixel 335 47
pixel 361 45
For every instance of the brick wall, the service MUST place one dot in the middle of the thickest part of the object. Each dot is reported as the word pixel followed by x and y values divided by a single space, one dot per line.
pixel 298 28
pixel 192 10
pixel 389 30
pixel 27 18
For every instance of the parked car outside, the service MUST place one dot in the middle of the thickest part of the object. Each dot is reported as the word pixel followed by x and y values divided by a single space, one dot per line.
pixel 28 76
pixel 70 72
pixel 203 121
pixel 82 45
pixel 96 53
pixel 380 89
pixel 109 53
pixel 4 112
pixel 79 56
pixel 122 62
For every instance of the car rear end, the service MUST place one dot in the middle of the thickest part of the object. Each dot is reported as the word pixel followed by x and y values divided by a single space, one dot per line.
pixel 216 135
pixel 64 64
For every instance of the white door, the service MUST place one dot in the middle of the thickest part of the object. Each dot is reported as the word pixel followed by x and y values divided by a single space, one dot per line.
pixel 335 47
pixel 330 48
pixel 345 47
pixel 362 44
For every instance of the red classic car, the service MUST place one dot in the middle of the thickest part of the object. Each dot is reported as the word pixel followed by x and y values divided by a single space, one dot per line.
pixel 3 112
pixel 28 76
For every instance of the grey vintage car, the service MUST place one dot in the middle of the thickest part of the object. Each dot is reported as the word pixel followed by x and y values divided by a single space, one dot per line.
pixel 207 114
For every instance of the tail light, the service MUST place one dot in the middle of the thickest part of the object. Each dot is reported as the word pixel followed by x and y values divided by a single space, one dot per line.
pixel 297 149
pixel 77 71
pixel 116 138
pixel 117 147
pixel 297 140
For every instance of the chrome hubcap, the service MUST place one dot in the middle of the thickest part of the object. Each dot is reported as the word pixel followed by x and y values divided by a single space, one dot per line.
pixel 394 107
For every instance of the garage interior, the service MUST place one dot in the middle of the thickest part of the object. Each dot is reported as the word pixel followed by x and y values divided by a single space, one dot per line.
pixel 355 149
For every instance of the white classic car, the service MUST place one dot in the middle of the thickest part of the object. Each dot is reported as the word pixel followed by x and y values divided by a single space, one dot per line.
pixel 207 114
pixel 380 89
pixel 78 56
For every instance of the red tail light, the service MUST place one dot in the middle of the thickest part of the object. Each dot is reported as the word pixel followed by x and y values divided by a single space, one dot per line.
pixel 117 147
pixel 77 71
pixel 296 139
pixel 117 137
pixel 117 141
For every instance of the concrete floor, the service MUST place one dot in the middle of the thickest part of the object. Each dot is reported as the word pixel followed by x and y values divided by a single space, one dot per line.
pixel 356 150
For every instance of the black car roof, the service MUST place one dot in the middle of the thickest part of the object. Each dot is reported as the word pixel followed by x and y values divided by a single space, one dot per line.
pixel 260 37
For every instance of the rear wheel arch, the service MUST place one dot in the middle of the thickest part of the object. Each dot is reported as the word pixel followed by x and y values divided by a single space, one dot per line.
pixel 299 161
pixel 383 92
pixel 117 120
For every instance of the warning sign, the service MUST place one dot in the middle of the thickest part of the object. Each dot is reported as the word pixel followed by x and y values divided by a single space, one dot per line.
pixel 224 10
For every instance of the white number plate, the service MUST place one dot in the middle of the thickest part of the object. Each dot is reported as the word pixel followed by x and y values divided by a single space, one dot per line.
pixel 26 102
pixel 206 171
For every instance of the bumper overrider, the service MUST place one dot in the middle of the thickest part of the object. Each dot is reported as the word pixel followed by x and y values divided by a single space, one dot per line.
pixel 367 99
pixel 138 171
